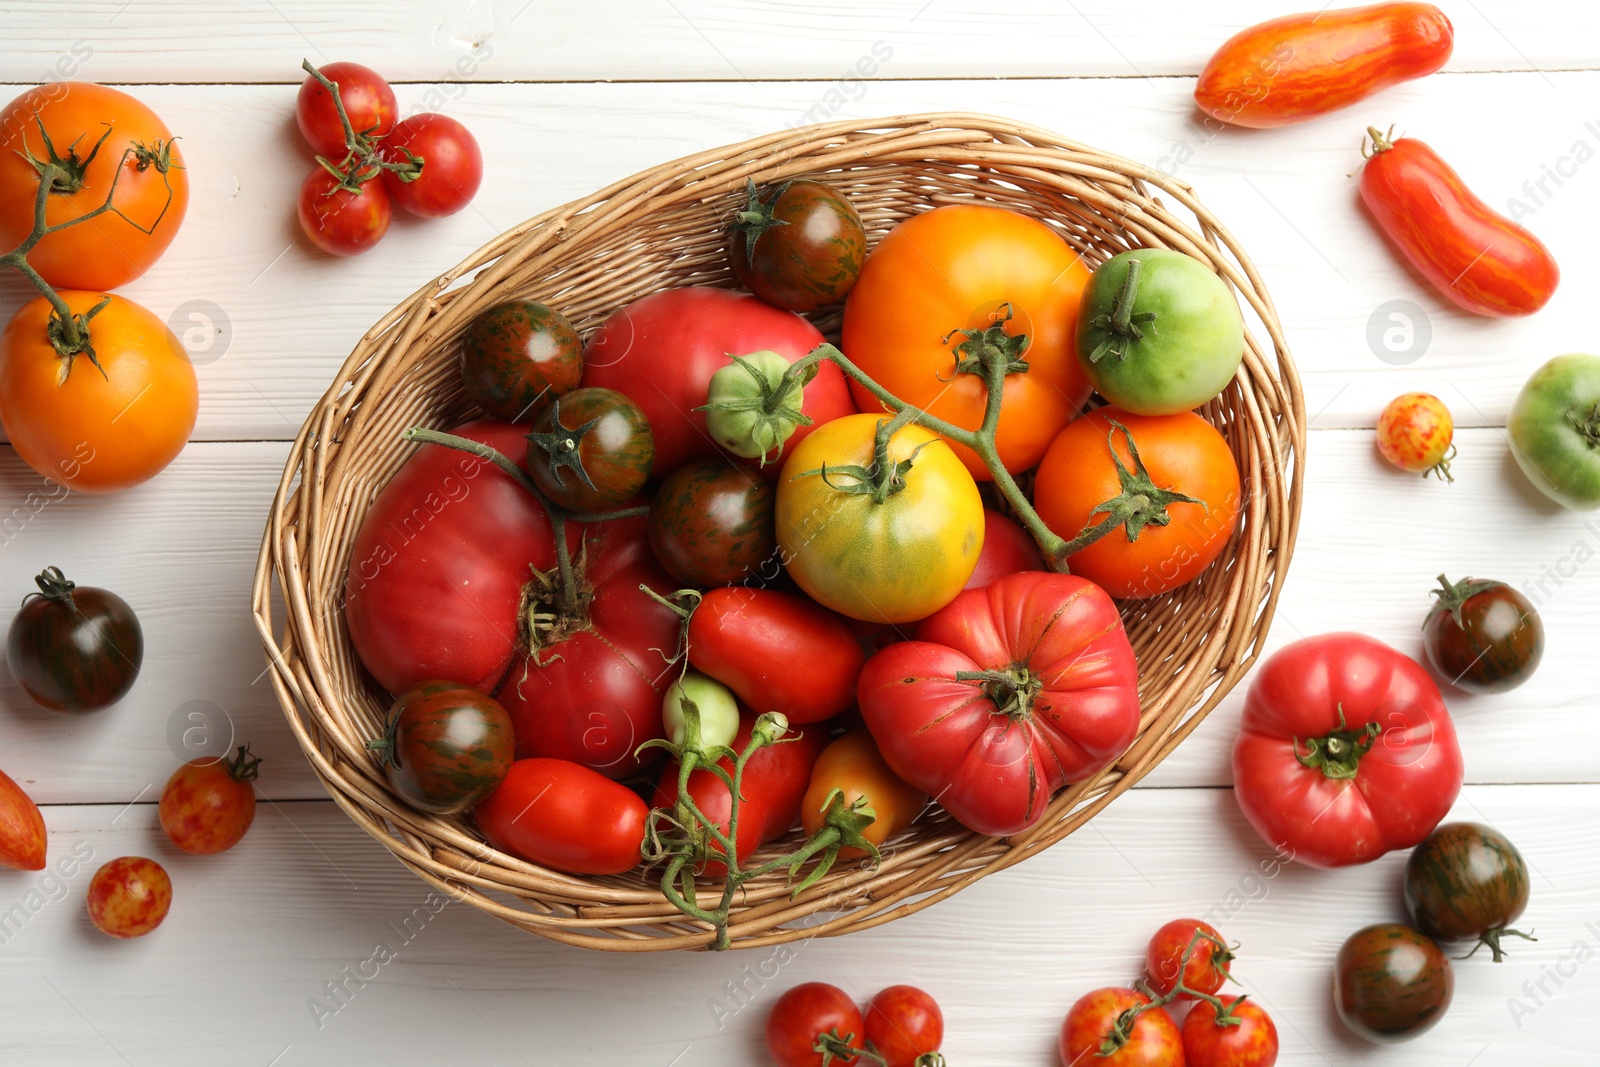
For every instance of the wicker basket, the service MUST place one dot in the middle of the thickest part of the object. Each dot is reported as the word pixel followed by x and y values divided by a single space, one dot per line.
pixel 661 229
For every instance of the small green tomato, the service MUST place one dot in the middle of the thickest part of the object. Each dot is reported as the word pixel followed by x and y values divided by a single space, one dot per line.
pixel 719 711
pixel 749 409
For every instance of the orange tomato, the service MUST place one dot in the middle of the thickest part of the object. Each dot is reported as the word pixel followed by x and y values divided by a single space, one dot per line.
pixel 958 268
pixel 22 837
pixel 853 765
pixel 96 432
pixel 152 188
pixel 1184 454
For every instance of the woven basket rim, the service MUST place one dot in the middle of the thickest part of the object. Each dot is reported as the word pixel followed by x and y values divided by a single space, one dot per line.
pixel 1263 412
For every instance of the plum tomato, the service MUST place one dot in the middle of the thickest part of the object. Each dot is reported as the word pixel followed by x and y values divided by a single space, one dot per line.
pixel 367 99
pixel 1391 983
pixel 1467 882
pixel 22 835
pixel 1190 947
pixel 443 165
pixel 564 816
pixel 1096 1031
pixel 129 896
pixel 340 220
pixel 906 1027
pixel 74 648
pixel 1482 636
pixel 208 804
pixel 446 746
pixel 517 356
pixel 813 1025
pixel 711 523
pixel 591 449
pixel 1415 433
pixel 1251 1041
pixel 798 246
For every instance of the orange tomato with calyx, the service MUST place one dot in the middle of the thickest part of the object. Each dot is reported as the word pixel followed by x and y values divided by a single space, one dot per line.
pixel 1173 539
pixel 855 768
pixel 99 135
pixel 936 287
pixel 96 429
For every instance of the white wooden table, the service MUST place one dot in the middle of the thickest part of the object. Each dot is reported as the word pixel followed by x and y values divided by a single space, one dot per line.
pixel 566 98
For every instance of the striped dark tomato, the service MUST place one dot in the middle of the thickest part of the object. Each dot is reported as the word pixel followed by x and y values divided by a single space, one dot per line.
pixel 798 246
pixel 1467 882
pixel 517 356
pixel 1482 636
pixel 74 649
pixel 711 522
pixel 447 746
pixel 591 449
pixel 1391 982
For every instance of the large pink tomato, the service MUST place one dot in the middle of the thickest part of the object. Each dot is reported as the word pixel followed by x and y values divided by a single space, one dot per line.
pixel 451 577
pixel 1006 694
pixel 663 349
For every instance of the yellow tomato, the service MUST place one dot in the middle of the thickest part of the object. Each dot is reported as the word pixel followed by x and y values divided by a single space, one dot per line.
pixel 897 560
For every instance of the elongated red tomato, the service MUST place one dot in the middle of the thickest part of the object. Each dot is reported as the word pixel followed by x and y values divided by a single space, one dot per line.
pixel 565 817
pixel 777 651
pixel 775 781
pixel 22 836
pixel 1471 253
pixel 1007 694
pixel 1300 66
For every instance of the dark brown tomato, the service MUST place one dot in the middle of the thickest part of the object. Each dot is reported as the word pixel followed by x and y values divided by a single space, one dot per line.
pixel 74 649
pixel 591 449
pixel 1391 982
pixel 518 355
pixel 447 746
pixel 799 246
pixel 711 523
pixel 1467 882
pixel 1482 636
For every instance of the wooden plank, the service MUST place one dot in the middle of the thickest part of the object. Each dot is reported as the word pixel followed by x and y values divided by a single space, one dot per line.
pixel 537 40
pixel 257 934
pixel 289 315
pixel 181 550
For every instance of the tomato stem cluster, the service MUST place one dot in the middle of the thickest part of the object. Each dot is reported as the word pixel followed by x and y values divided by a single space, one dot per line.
pixel 1121 1031
pixel 361 162
pixel 1123 324
pixel 1338 753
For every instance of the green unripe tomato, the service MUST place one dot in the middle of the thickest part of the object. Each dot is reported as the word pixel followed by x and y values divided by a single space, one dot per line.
pixel 719 711
pixel 737 405
pixel 1158 332
pixel 1555 430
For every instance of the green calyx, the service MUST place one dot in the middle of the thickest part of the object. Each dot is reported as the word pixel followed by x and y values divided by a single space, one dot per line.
pixel 1013 690
pixel 158 155
pixel 885 477
pixel 69 336
pixel 1338 754
pixel 1125 326
pixel 981 349
pixel 1587 423
pixel 1140 503
pixel 848 821
pixel 69 170
pixel 1451 596
pixel 53 585
pixel 563 446
pixel 757 216
pixel 244 767
pixel 753 404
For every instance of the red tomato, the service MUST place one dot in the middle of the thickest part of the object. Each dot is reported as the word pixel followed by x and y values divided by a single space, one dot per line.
pixel 809 1015
pixel 22 837
pixel 452 165
pixel 663 349
pixel 1007 549
pixel 1006 694
pixel 1345 751
pixel 367 99
pixel 903 1024
pixel 1471 253
pixel 751 640
pixel 1253 1042
pixel 775 780
pixel 1207 966
pixel 1152 1041
pixel 341 222
pixel 129 897
pixel 1297 67
pixel 442 585
pixel 208 804
pixel 564 816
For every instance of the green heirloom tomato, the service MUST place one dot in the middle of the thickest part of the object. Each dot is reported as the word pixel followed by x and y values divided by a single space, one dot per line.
pixel 1555 430
pixel 715 703
pixel 749 409
pixel 1158 332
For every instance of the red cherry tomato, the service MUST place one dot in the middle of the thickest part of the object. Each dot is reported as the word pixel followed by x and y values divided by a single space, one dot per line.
pixel 208 804
pixel 904 1023
pixel 1252 1042
pixel 1207 966
pixel 367 99
pixel 129 897
pixel 811 1024
pixel 1152 1041
pixel 1007 549
pixel 1297 67
pixel 452 165
pixel 564 816
pixel 339 221
pixel 1471 253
